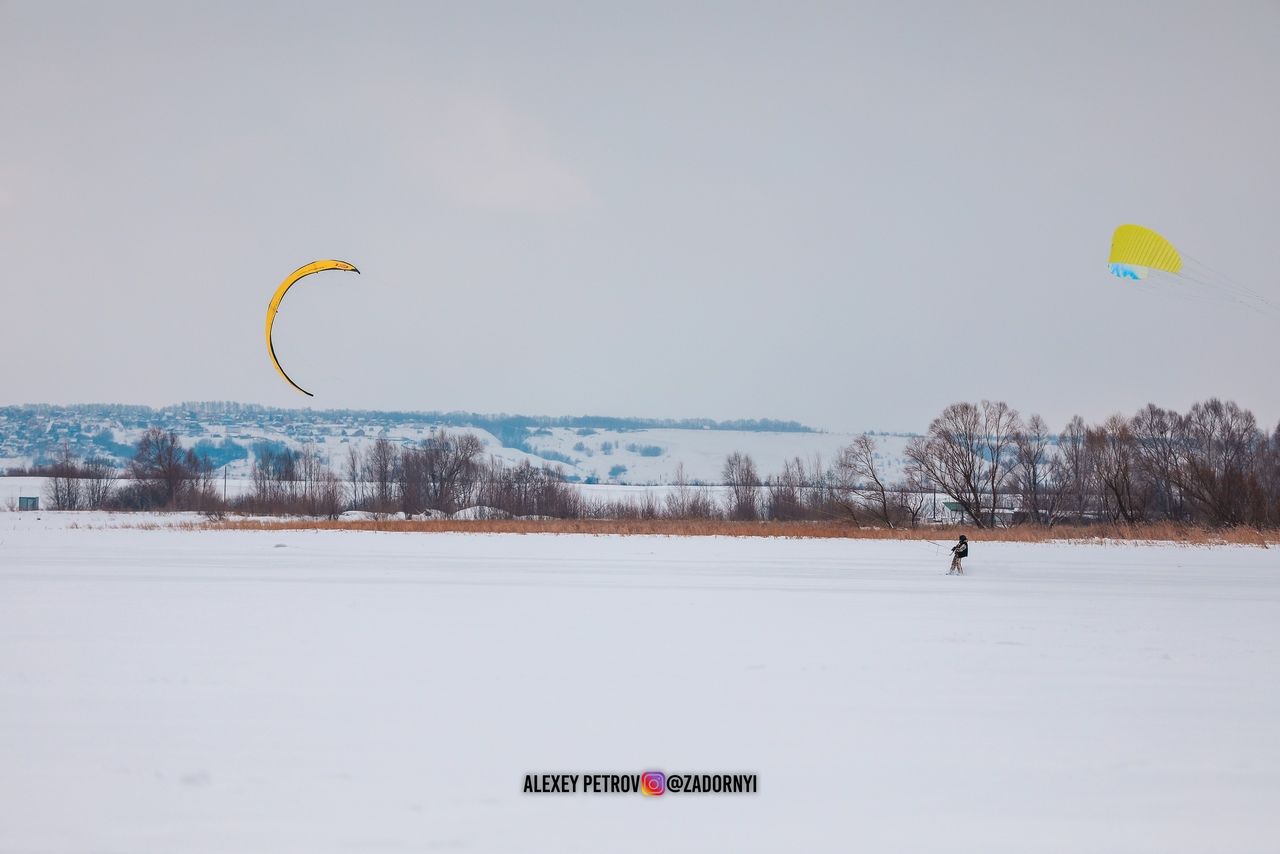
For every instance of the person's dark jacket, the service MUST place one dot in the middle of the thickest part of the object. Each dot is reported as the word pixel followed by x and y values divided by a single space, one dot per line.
pixel 961 548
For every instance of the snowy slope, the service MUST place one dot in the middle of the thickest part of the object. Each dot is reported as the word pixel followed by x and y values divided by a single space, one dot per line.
pixel 641 457
pixel 651 456
pixel 168 691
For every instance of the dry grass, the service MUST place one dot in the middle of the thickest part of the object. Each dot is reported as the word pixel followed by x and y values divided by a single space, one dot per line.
pixel 1155 532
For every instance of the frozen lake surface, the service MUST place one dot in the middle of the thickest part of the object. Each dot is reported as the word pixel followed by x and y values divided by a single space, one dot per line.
pixel 171 691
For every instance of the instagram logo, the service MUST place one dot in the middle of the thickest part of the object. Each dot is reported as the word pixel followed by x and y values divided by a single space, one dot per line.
pixel 653 783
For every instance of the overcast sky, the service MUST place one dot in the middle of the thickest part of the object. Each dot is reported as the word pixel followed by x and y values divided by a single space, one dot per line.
pixel 848 214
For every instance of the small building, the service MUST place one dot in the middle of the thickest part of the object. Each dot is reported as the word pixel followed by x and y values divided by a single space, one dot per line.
pixel 28 502
pixel 1001 517
pixel 954 513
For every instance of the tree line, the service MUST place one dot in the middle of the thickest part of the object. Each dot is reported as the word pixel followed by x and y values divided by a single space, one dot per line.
pixel 1212 465
pixel 162 475
pixel 440 475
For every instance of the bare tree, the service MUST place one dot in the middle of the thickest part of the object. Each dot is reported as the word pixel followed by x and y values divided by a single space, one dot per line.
pixel 1113 445
pixel 204 495
pixel 1073 470
pixel 99 480
pixel 910 499
pixel 679 496
pixel 380 473
pixel 1158 439
pixel 441 473
pixel 526 490
pixel 1000 427
pixel 412 480
pixel 1035 471
pixel 1221 449
pixel 688 501
pixel 860 479
pixel 275 479
pixel 355 476
pixel 968 454
pixel 743 483
pixel 785 492
pixel 167 473
pixel 1267 513
pixel 330 495
pixel 62 489
pixel 452 467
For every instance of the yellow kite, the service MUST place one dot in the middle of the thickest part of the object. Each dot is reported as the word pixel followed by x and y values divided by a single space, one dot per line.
pixel 1136 250
pixel 1148 258
pixel 306 270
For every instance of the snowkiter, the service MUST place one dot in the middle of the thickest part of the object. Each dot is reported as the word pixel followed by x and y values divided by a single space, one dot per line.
pixel 958 551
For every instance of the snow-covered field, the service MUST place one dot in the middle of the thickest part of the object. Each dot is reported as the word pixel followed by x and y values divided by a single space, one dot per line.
pixel 170 691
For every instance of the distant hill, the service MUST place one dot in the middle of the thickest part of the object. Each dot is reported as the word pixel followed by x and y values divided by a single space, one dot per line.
pixel 590 448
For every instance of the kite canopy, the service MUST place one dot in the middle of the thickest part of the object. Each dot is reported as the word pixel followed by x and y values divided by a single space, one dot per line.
pixel 1139 253
pixel 274 306
pixel 1135 250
